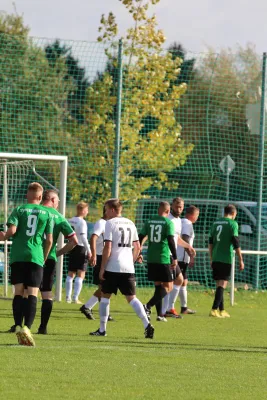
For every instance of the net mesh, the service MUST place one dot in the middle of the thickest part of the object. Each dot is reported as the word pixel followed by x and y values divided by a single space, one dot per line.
pixel 189 127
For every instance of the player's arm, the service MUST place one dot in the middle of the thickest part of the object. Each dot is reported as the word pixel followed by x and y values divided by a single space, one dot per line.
pixel 12 229
pixel 48 244
pixel 136 250
pixel 142 240
pixel 105 256
pixel 172 247
pixel 93 249
pixel 83 235
pixel 187 246
pixel 210 247
pixel 72 242
pixel 236 244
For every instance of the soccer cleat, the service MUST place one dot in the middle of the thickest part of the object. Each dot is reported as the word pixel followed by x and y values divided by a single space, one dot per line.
pixel 76 301
pixel 110 318
pixel 68 300
pixel 98 333
pixel 224 314
pixel 147 311
pixel 215 313
pixel 18 334
pixel 161 318
pixel 87 312
pixel 172 313
pixel 188 311
pixel 149 331
pixel 42 331
pixel 26 337
pixel 12 329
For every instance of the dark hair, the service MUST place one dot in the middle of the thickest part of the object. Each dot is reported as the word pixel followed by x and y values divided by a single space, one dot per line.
pixel 164 205
pixel 47 194
pixel 114 203
pixel 230 209
pixel 191 210
pixel 177 200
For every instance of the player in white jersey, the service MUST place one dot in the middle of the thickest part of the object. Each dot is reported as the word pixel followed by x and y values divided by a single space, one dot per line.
pixel 79 256
pixel 184 259
pixel 168 308
pixel 121 250
pixel 97 246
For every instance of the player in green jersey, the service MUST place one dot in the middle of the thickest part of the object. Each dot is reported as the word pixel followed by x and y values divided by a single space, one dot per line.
pixel 27 224
pixel 61 225
pixel 159 231
pixel 223 241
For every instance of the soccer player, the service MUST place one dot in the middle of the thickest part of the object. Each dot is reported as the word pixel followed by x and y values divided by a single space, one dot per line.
pixel 61 225
pixel 79 256
pixel 159 231
pixel 184 259
pixel 97 246
pixel 177 208
pixel 117 267
pixel 27 224
pixel 223 240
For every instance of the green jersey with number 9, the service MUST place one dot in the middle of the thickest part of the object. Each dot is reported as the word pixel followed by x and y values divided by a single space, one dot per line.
pixel 32 222
pixel 221 237
pixel 157 229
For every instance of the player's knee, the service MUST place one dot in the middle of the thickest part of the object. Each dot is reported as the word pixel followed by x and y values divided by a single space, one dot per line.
pixel 69 279
pixel 179 280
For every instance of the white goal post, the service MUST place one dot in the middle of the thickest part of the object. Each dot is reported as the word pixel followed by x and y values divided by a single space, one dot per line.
pixel 63 160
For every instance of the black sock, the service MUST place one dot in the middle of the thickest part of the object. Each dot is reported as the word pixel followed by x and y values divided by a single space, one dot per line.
pixel 221 305
pixel 25 301
pixel 218 297
pixel 17 306
pixel 30 310
pixel 46 310
pixel 159 294
pixel 159 308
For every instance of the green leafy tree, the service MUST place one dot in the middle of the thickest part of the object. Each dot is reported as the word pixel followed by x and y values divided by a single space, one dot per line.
pixel 151 93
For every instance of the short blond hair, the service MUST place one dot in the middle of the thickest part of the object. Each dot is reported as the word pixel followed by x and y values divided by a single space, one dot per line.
pixel 35 187
pixel 82 205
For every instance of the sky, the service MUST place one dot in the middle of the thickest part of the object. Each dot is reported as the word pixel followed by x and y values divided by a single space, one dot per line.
pixel 196 24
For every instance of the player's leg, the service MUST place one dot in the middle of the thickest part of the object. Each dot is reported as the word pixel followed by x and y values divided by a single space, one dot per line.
pixel 78 284
pixel 86 308
pixel 221 274
pixel 17 280
pixel 177 283
pixel 69 281
pixel 47 296
pixel 183 291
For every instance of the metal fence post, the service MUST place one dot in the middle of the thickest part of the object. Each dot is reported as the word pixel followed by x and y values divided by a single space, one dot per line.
pixel 261 167
pixel 115 188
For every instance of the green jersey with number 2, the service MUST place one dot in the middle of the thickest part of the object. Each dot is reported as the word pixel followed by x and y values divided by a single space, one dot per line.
pixel 221 235
pixel 157 230
pixel 32 222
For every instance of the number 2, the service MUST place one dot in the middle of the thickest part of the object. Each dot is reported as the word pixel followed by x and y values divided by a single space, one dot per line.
pixel 31 224
pixel 219 230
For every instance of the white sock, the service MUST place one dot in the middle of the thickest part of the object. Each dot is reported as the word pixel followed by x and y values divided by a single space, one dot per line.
pixel 68 286
pixel 91 302
pixel 78 284
pixel 139 310
pixel 173 296
pixel 183 296
pixel 165 303
pixel 104 313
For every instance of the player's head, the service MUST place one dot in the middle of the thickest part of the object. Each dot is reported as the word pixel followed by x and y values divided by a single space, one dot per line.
pixel 50 198
pixel 113 208
pixel 230 211
pixel 192 213
pixel 164 209
pixel 35 192
pixel 82 209
pixel 177 206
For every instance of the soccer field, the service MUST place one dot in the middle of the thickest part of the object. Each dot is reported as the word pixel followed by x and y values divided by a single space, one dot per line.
pixel 197 357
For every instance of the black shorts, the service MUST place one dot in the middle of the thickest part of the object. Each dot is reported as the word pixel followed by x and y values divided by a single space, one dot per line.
pixel 78 259
pixel 48 276
pixel 28 273
pixel 96 270
pixel 221 271
pixel 116 280
pixel 183 267
pixel 160 273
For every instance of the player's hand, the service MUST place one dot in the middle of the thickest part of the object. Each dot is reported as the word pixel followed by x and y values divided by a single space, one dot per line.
pixel 174 264
pixel 92 261
pixel 191 263
pixel 2 236
pixel 101 274
pixel 241 266
pixel 192 251
pixel 139 259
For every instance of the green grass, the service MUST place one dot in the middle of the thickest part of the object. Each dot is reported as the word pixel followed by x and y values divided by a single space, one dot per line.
pixel 194 358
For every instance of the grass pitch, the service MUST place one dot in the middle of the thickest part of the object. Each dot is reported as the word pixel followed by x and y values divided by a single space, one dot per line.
pixel 197 357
